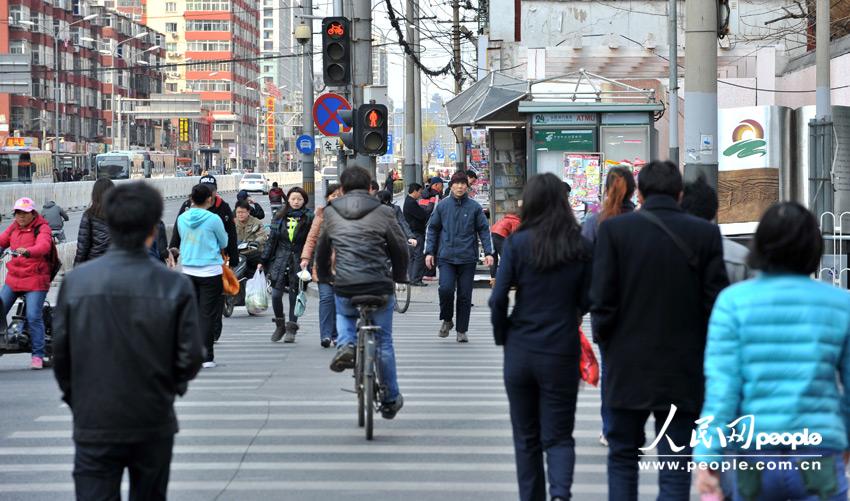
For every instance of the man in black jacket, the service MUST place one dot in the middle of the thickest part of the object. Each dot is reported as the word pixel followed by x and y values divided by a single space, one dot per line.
pixel 222 209
pixel 417 218
pixel 122 350
pixel 656 275
pixel 362 234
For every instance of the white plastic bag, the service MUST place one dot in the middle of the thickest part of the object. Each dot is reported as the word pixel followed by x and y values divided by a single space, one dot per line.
pixel 256 296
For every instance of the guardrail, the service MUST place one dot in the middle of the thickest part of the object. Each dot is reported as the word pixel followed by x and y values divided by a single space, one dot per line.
pixel 77 195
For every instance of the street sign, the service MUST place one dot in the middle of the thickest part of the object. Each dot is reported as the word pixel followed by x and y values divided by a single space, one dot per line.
pixel 325 114
pixel 440 154
pixel 452 156
pixel 330 145
pixel 390 144
pixel 306 144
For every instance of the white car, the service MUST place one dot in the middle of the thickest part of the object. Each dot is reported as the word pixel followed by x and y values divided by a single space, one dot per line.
pixel 253 183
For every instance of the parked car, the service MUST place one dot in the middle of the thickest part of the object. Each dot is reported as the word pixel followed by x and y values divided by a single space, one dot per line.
pixel 253 183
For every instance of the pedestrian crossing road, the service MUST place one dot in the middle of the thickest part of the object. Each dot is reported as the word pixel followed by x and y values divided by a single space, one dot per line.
pixel 272 422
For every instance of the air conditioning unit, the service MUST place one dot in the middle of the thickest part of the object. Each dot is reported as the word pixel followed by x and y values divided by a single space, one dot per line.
pixel 175 36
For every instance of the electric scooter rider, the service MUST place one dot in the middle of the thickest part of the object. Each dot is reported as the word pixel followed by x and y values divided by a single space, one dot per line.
pixel 249 229
pixel 28 274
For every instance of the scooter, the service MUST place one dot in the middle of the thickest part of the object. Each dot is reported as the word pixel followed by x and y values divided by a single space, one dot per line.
pixel 241 271
pixel 15 336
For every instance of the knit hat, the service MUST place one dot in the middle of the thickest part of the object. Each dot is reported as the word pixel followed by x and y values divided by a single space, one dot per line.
pixel 435 180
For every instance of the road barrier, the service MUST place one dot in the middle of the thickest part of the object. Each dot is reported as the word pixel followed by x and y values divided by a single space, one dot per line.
pixel 76 195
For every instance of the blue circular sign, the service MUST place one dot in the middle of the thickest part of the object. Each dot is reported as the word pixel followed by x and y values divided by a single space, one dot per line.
pixel 306 144
pixel 325 114
pixel 452 156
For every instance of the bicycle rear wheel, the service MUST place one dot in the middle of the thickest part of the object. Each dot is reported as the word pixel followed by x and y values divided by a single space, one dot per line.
pixel 358 384
pixel 369 390
pixel 402 298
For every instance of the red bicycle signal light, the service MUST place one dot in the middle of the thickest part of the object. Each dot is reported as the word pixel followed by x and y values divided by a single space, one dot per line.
pixel 336 51
pixel 335 30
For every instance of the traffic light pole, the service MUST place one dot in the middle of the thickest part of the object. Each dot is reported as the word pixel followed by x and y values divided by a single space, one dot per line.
pixel 361 18
pixel 409 172
pixel 308 172
pixel 340 156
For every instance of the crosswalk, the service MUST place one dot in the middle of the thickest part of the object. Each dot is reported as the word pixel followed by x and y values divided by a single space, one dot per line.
pixel 272 422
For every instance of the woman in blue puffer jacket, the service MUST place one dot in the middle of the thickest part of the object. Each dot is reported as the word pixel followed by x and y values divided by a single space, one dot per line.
pixel 778 349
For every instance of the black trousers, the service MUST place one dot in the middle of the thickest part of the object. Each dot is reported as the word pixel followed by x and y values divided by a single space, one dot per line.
pixel 460 278
pixel 98 469
pixel 542 391
pixel 417 258
pixel 498 243
pixel 208 291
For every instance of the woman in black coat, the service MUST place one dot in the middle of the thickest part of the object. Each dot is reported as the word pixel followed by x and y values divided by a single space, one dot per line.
pixel 282 257
pixel 549 263
pixel 93 237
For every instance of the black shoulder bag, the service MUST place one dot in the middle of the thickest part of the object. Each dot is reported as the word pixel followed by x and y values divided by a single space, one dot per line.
pixel 693 260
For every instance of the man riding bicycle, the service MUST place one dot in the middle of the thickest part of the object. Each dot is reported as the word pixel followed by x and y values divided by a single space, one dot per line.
pixel 359 232
pixel 28 272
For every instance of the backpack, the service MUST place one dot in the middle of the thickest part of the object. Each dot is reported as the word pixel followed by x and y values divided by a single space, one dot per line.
pixel 52 257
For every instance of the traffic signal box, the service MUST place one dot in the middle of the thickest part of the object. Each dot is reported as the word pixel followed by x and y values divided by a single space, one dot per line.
pixel 368 129
pixel 336 51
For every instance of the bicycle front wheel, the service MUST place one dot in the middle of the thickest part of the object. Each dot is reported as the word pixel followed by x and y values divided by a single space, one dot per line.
pixel 369 390
pixel 358 385
pixel 402 297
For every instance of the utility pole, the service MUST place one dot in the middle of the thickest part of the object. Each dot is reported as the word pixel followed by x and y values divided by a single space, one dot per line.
pixel 701 90
pixel 822 22
pixel 304 35
pixel 361 21
pixel 673 93
pixel 409 171
pixel 460 161
pixel 58 63
pixel 417 100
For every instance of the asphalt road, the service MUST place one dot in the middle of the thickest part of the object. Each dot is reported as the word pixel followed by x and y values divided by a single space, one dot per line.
pixel 272 422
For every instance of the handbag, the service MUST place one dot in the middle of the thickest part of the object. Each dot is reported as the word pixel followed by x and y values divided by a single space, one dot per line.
pixel 588 364
pixel 301 299
pixel 228 277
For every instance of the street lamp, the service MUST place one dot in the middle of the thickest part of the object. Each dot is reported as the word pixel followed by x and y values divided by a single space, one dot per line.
pixel 56 30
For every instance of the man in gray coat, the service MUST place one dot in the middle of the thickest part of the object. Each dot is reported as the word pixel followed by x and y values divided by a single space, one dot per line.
pixel 700 200
pixel 56 217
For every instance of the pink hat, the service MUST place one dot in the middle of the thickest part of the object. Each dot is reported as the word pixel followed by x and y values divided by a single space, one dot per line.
pixel 24 205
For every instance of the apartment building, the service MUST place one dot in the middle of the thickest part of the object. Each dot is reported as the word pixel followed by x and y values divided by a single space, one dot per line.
pixel 101 55
pixel 211 48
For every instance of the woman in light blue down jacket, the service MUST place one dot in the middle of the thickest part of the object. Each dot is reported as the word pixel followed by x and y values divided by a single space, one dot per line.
pixel 778 348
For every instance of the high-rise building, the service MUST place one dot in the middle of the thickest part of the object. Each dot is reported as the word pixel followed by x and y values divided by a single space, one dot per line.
pixel 212 49
pixel 101 55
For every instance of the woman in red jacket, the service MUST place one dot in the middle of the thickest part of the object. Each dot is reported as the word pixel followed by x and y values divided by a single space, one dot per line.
pixel 28 272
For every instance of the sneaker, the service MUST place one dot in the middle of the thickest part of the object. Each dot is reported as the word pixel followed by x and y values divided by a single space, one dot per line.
pixel 37 363
pixel 461 337
pixel 209 365
pixel 344 358
pixel 603 441
pixel 447 327
pixel 326 343
pixel 390 409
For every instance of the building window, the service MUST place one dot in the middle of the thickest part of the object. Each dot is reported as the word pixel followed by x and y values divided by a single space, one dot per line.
pixel 208 46
pixel 219 127
pixel 18 47
pixel 171 47
pixel 268 45
pixel 207 25
pixel 170 6
pixel 208 5
pixel 171 27
pixel 171 87
pixel 268 23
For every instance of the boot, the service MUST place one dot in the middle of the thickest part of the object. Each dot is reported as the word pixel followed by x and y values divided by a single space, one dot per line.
pixel 279 330
pixel 291 330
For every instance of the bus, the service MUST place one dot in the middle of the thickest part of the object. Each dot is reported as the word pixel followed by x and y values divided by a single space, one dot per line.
pixel 21 165
pixel 135 164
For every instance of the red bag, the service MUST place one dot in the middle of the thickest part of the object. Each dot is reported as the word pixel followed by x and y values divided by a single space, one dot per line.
pixel 589 365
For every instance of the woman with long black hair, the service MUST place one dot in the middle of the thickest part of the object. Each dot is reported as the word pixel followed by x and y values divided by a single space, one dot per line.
pixel 282 257
pixel 93 238
pixel 549 263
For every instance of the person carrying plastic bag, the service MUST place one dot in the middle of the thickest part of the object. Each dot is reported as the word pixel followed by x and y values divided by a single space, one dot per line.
pixel 256 295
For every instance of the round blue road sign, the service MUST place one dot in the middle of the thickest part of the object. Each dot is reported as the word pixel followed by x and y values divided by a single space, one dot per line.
pixel 306 144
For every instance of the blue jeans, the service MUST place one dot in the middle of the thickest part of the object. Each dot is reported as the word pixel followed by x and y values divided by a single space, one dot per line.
pixel 827 483
pixel 460 277
pixel 542 391
pixel 327 312
pixel 346 326
pixel 626 435
pixel 35 324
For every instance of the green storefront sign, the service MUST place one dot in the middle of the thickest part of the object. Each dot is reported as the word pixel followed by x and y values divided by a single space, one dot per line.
pixel 564 140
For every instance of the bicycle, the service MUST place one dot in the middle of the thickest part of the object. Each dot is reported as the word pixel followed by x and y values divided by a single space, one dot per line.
pixel 367 372
pixel 402 297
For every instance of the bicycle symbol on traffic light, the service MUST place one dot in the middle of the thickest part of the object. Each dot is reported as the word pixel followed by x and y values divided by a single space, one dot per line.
pixel 336 30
